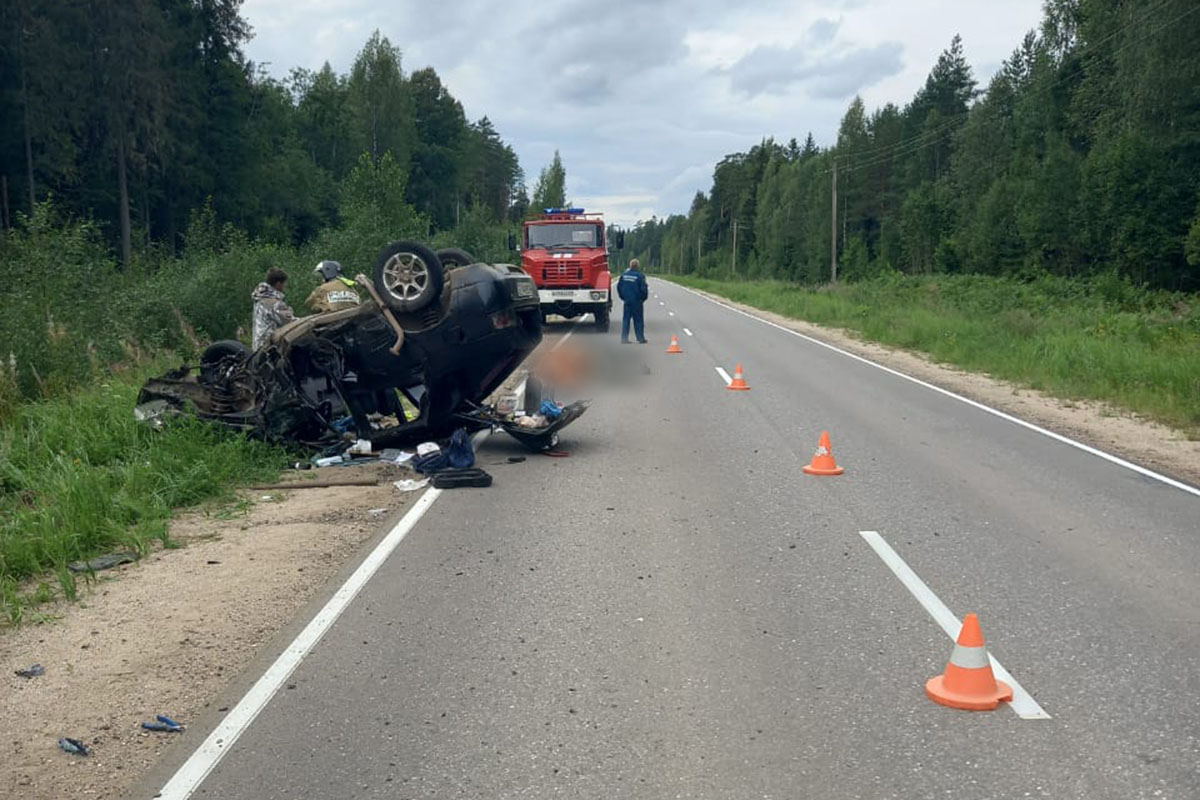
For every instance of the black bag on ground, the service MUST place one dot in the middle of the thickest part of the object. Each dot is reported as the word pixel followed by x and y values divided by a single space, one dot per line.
pixel 458 478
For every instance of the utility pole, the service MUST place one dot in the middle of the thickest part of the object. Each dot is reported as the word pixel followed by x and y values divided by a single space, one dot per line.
pixel 833 229
pixel 844 215
pixel 733 256
pixel 697 252
pixel 681 253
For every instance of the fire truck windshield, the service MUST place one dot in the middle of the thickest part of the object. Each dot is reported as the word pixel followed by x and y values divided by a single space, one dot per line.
pixel 563 235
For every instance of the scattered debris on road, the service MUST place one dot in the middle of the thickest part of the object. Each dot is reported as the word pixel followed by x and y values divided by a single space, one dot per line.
pixel 460 478
pixel 392 456
pixel 536 432
pixel 35 671
pixel 103 562
pixel 74 746
pixel 163 724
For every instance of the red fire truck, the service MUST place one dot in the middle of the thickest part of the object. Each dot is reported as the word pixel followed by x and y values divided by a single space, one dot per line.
pixel 565 251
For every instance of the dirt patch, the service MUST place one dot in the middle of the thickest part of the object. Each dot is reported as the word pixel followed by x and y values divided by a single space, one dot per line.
pixel 166 635
pixel 1116 431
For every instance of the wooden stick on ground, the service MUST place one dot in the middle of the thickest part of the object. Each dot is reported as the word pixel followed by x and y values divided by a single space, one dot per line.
pixel 315 484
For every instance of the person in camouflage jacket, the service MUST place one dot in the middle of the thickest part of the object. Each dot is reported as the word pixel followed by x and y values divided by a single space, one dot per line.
pixel 271 311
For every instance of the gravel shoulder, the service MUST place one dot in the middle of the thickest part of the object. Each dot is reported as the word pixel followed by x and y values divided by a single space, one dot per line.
pixel 1116 431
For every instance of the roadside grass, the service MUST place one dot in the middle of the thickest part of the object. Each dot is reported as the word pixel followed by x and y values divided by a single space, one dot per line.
pixel 1100 339
pixel 80 477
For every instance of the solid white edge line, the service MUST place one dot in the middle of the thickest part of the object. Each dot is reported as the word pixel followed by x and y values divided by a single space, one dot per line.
pixel 1149 473
pixel 1022 703
pixel 685 330
pixel 201 763
pixel 724 376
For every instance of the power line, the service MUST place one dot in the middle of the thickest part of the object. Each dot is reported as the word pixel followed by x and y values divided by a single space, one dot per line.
pixel 923 134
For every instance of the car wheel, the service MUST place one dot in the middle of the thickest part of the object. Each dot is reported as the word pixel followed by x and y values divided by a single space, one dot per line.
pixel 452 257
pixel 601 315
pixel 226 348
pixel 220 356
pixel 408 276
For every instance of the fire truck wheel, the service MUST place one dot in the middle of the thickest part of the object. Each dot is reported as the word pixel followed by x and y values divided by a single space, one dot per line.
pixel 601 315
pixel 452 257
pixel 408 276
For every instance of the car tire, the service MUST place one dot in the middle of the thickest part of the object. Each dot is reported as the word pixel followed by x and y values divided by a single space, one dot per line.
pixel 225 348
pixel 452 257
pixel 408 276
pixel 601 315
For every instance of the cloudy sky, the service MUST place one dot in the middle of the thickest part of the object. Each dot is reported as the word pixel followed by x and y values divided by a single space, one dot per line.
pixel 643 97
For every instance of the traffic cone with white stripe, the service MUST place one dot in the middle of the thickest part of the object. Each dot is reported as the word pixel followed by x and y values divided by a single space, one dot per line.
pixel 823 462
pixel 968 682
pixel 738 384
pixel 674 348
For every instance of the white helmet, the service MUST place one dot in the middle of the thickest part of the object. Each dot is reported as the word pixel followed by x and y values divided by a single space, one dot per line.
pixel 328 269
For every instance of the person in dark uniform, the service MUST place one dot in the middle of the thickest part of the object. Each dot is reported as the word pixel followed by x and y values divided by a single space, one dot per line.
pixel 633 291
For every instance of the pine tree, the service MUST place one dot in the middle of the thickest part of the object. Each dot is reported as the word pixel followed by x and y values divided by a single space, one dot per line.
pixel 550 191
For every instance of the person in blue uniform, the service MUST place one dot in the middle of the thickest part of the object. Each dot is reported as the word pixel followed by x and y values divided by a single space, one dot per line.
pixel 633 291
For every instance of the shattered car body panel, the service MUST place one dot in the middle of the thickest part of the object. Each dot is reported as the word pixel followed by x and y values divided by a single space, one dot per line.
pixel 537 439
pixel 326 367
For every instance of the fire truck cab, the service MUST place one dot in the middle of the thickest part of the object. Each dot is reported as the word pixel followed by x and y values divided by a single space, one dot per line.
pixel 565 251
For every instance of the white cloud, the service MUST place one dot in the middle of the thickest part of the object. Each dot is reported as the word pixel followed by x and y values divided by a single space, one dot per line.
pixel 642 99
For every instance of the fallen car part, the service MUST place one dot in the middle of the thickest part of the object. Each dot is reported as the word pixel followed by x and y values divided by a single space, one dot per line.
pixel 538 439
pixel 472 477
pixel 74 746
pixel 387 313
pixel 163 724
pixel 103 562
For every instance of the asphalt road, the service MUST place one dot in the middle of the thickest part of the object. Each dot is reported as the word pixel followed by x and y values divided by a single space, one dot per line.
pixel 676 611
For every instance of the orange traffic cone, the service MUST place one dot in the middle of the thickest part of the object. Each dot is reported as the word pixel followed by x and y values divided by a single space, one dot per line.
pixel 674 348
pixel 823 462
pixel 968 681
pixel 738 384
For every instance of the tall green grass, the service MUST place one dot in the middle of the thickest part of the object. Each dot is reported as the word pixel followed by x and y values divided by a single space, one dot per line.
pixel 79 476
pixel 1101 339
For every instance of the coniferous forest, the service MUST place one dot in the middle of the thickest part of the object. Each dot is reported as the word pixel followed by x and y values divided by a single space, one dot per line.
pixel 1080 156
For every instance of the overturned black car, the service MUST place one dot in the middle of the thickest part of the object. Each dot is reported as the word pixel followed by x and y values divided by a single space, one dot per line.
pixel 413 363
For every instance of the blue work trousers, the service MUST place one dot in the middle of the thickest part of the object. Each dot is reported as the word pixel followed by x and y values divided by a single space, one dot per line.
pixel 633 311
